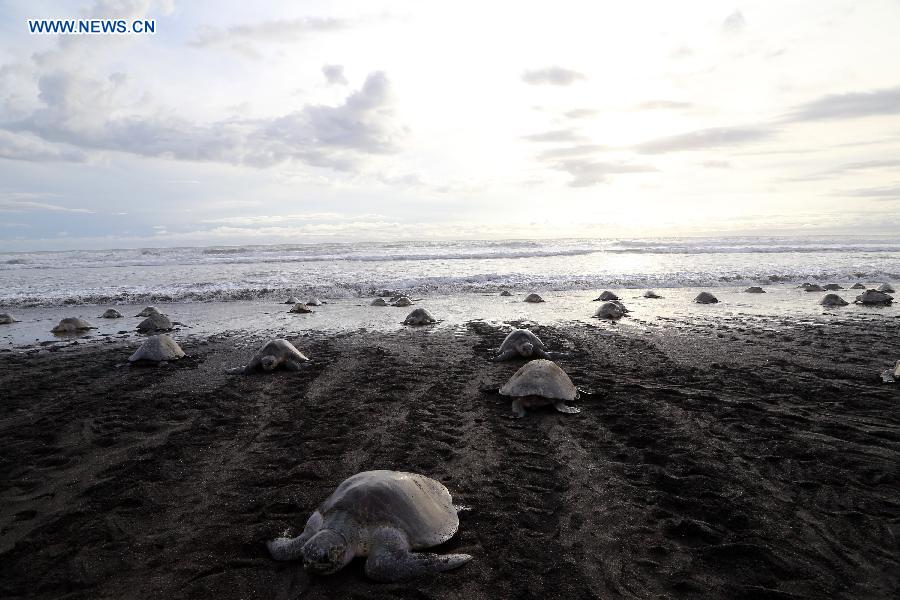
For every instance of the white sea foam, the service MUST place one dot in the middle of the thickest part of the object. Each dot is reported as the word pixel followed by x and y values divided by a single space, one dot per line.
pixel 423 268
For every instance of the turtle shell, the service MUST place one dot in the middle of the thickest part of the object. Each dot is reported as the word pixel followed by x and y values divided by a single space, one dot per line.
pixel 651 294
pixel 506 293
pixel 419 316
pixel 378 302
pixel 885 288
pixel 874 297
pixel 518 335
pixel 609 310
pixel 833 300
pixel 831 287
pixel 6 319
pixel 607 296
pixel 705 298
pixel 150 310
pixel 402 301
pixel 533 298
pixel 813 288
pixel 157 322
pixel 300 308
pixel 858 286
pixel 281 349
pixel 111 313
pixel 419 506
pixel 755 289
pixel 71 325
pixel 157 349
pixel 541 378
pixel 292 300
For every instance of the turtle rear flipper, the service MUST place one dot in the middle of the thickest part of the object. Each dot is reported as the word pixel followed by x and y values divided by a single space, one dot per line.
pixel 390 558
pixel 569 410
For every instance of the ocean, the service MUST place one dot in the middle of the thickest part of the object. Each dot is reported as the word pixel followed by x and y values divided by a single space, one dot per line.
pixel 359 270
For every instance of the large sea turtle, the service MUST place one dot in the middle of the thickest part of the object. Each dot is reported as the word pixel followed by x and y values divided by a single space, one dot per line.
pixel 300 308
pixel 754 289
pixel 111 313
pixel 651 294
pixel 383 516
pixel 813 287
pixel 6 319
pixel 858 286
pixel 832 287
pixel 292 300
pixel 157 348
pixel 606 297
pixel 533 298
pixel 315 302
pixel 874 297
pixel 521 342
pixel 378 302
pixel 833 300
pixel 72 325
pixel 705 298
pixel 610 310
pixel 506 293
pixel 886 288
pixel 274 354
pixel 419 316
pixel 540 383
pixel 401 301
pixel 156 322
pixel 150 310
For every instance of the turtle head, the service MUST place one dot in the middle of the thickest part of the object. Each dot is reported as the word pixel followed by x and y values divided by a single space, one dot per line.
pixel 326 552
pixel 268 363
pixel 526 348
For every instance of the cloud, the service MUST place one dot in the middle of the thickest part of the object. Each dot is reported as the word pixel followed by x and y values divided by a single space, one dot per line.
pixel 276 30
pixel 663 105
pixel 702 139
pixel 890 192
pixel 334 74
pixel 734 23
pixel 716 164
pixel 552 76
pixel 22 202
pixel 581 113
pixel 261 220
pixel 587 172
pixel 570 151
pixel 83 113
pixel 26 146
pixel 557 135
pixel 848 106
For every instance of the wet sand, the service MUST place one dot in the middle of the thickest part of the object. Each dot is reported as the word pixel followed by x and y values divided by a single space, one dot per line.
pixel 735 458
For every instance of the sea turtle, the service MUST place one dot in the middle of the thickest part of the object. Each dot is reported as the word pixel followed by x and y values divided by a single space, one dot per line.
pixel 832 287
pixel 378 302
pixel 506 293
pixel 274 354
pixel 874 297
pixel 539 383
pixel 315 302
pixel 533 298
pixel 606 296
pixel 157 348
pixel 705 298
pixel 755 289
pixel 6 319
pixel 521 342
pixel 111 313
pixel 402 301
pixel 292 300
pixel 383 516
pixel 150 310
pixel 419 316
pixel 153 323
pixel 651 294
pixel 886 288
pixel 300 308
pixel 858 286
pixel 833 300
pixel 812 287
pixel 72 325
pixel 610 310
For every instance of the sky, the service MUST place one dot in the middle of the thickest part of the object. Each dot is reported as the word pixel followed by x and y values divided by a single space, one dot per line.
pixel 274 122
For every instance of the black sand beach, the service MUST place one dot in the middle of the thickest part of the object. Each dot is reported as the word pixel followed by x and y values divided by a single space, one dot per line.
pixel 739 460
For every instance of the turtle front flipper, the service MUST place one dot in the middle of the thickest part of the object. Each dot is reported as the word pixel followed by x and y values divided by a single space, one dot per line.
pixel 505 355
pixel 390 558
pixel 518 408
pixel 292 365
pixel 541 353
pixel 569 410
pixel 284 548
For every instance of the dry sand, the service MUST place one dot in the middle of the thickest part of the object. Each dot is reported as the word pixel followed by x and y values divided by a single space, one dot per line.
pixel 731 462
